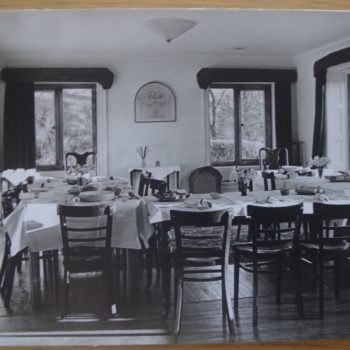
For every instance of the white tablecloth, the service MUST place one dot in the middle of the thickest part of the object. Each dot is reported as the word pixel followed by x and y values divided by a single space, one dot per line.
pixel 237 204
pixel 158 172
pixel 35 224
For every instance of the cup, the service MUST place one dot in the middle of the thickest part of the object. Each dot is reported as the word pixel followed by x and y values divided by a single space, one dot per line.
pixel 285 191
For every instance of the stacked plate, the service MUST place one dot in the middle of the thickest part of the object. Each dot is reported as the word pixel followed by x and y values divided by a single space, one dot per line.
pixel 96 196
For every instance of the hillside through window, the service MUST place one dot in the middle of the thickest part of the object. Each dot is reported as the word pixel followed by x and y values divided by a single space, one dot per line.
pixel 65 121
pixel 240 123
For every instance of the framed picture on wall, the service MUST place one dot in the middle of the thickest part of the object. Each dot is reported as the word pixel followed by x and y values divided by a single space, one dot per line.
pixel 155 102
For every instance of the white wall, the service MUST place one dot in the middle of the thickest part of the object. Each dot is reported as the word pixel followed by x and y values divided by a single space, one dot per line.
pixel 173 143
pixel 305 92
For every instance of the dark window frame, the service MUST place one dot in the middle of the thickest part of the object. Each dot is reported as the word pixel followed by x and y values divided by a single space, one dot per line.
pixel 58 89
pixel 237 88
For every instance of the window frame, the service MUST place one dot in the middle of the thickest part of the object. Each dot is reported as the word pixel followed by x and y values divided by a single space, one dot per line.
pixel 58 89
pixel 269 119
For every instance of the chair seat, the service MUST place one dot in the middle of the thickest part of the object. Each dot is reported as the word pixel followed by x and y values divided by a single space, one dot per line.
pixel 343 246
pixel 203 243
pixel 263 251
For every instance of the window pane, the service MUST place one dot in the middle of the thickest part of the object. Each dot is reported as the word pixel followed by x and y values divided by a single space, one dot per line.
pixel 45 131
pixel 77 120
pixel 221 124
pixel 252 109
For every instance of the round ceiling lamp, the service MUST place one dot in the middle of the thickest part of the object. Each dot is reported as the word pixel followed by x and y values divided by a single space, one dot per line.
pixel 169 28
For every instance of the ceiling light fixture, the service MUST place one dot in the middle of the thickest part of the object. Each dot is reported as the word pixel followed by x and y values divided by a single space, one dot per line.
pixel 169 28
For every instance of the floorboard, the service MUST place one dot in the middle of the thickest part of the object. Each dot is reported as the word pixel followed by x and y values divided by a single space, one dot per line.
pixel 139 322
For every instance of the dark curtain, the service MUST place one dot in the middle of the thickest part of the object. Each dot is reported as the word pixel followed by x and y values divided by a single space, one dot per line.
pixel 19 126
pixel 319 140
pixel 283 107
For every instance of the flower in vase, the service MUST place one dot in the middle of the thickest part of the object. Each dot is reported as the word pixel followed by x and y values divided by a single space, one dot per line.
pixel 242 175
pixel 143 151
pixel 319 162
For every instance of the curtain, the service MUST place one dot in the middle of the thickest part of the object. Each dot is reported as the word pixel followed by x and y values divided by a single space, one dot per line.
pixel 283 107
pixel 319 139
pixel 19 126
pixel 320 73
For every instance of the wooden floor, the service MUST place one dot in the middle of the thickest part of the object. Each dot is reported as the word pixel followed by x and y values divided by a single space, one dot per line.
pixel 139 322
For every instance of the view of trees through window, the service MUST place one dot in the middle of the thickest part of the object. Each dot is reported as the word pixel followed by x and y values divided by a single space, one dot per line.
pixel 64 122
pixel 239 122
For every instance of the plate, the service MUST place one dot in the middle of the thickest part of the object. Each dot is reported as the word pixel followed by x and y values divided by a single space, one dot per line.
pixel 308 190
pixel 170 197
pixel 338 178
pixel 290 168
pixel 96 196
pixel 39 189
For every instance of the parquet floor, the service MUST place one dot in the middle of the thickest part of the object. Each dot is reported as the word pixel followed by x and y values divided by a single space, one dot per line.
pixel 139 321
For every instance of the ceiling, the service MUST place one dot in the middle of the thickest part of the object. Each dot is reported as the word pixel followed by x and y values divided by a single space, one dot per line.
pixel 122 32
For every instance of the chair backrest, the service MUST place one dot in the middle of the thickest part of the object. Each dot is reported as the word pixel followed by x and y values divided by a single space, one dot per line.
pixel 83 227
pixel 192 242
pixel 205 179
pixel 9 200
pixel 149 186
pixel 332 222
pixel 273 158
pixel 73 159
pixel 269 177
pixel 273 225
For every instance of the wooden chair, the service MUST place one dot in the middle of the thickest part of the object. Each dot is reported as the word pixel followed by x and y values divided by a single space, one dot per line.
pixel 328 245
pixel 80 159
pixel 205 179
pixel 86 237
pixel 201 255
pixel 273 158
pixel 274 231
pixel 269 177
pixel 149 186
pixel 9 201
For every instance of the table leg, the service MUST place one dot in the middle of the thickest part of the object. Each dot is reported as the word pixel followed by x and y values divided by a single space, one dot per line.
pixel 35 279
pixel 132 274
pixel 165 263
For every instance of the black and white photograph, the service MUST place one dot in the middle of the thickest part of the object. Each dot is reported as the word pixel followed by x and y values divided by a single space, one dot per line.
pixel 174 176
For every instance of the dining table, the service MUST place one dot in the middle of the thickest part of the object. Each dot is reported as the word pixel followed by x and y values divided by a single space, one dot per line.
pixel 236 204
pixel 35 224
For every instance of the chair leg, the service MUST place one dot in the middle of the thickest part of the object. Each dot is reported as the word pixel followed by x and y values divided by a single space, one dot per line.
pixel 226 305
pixel 278 283
pixel 321 286
pixel 236 280
pixel 4 263
pixel 238 235
pixel 255 294
pixel 179 300
pixel 6 289
pixel 149 267
pixel 297 287
pixel 55 274
pixel 337 278
pixel 66 281
pixel 125 272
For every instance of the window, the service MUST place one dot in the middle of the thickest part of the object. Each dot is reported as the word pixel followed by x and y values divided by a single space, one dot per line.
pixel 240 123
pixel 65 121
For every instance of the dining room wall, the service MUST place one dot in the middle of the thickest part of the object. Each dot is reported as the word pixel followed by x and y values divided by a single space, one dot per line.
pixel 172 143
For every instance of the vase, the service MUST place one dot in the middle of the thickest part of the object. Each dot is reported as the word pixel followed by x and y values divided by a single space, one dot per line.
pixel 320 172
pixel 143 163
pixel 242 187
